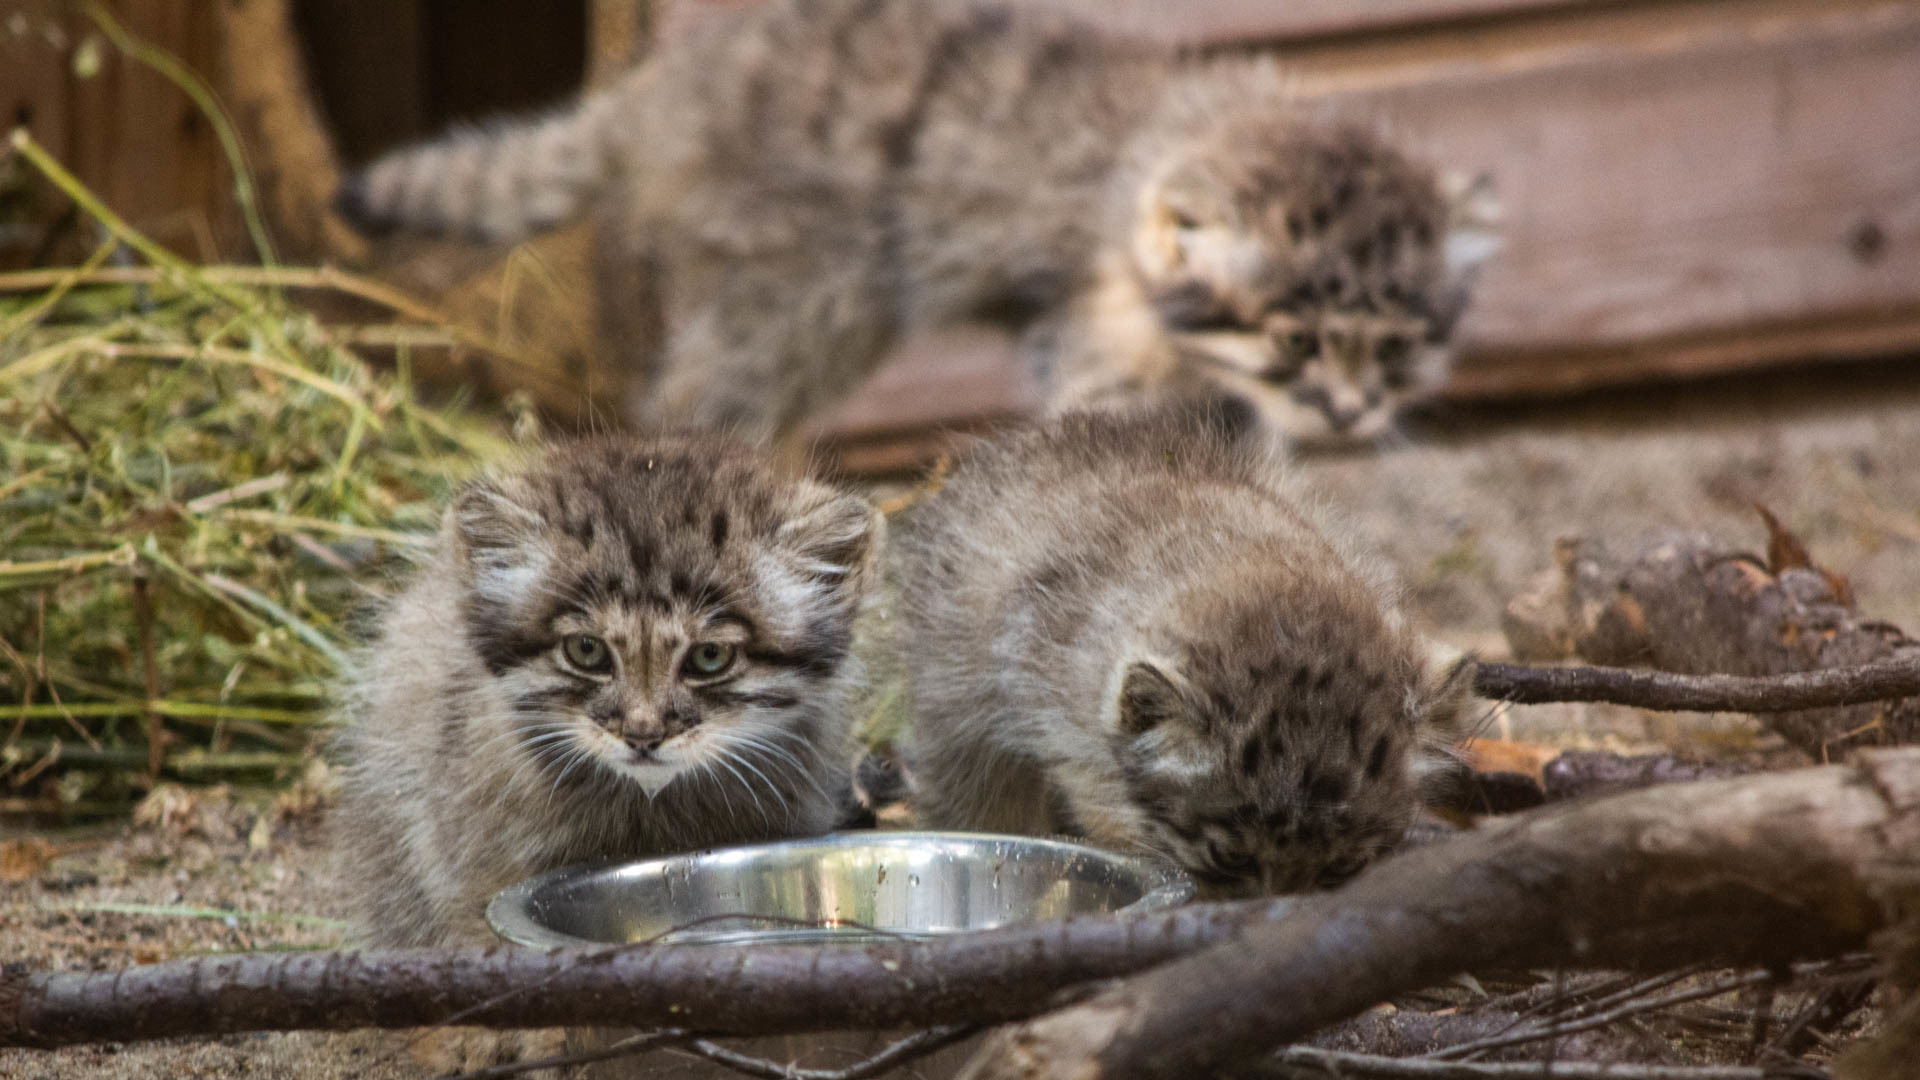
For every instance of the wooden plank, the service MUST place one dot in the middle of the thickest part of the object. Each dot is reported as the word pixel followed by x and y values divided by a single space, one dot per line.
pixel 1762 175
pixel 155 160
pixel 1238 21
pixel 1684 195
pixel 34 94
pixel 1519 373
pixel 1219 22
pixel 128 132
pixel 937 377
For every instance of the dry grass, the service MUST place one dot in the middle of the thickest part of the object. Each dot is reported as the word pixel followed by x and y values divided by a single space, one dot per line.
pixel 198 482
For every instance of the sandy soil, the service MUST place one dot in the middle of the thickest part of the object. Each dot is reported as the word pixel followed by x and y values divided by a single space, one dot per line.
pixel 1467 513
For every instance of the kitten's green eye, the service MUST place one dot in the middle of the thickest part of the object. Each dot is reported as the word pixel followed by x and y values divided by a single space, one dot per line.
pixel 586 652
pixel 709 658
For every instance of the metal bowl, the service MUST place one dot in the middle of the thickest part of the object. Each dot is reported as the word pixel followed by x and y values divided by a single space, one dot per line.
pixel 848 887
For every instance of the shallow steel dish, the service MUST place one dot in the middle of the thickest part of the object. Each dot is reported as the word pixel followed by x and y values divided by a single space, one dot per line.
pixel 845 887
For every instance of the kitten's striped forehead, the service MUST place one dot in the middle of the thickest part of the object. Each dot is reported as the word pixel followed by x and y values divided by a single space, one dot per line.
pixel 694 527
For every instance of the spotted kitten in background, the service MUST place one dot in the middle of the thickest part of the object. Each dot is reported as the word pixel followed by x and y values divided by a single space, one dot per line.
pixel 1136 629
pixel 793 190
pixel 628 648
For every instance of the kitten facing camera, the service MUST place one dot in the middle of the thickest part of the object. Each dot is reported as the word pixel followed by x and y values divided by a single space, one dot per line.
pixel 628 648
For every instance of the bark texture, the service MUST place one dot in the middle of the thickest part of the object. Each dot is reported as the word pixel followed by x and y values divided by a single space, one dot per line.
pixel 988 977
pixel 1761 870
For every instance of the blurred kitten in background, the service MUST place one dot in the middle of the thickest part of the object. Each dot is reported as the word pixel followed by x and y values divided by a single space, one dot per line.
pixel 792 191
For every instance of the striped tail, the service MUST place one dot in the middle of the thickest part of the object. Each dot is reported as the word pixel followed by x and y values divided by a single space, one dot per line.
pixel 497 184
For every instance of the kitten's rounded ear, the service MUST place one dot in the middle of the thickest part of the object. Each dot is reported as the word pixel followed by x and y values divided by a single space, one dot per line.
pixel 1148 700
pixel 1446 688
pixel 836 536
pixel 486 519
pixel 1473 223
pixel 1172 209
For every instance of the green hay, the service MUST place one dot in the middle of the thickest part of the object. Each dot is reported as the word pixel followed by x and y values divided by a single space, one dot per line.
pixel 194 468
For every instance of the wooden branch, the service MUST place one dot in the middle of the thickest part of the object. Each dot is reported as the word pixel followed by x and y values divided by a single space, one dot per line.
pixel 1759 869
pixel 1579 773
pixel 1882 680
pixel 990 977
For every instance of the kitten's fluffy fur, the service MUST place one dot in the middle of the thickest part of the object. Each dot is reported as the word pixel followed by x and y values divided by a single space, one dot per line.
pixel 1136 629
pixel 792 191
pixel 485 741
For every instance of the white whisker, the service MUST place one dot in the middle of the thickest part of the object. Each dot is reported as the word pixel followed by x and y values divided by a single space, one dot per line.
pixel 575 755
pixel 722 761
pixel 706 769
pixel 746 741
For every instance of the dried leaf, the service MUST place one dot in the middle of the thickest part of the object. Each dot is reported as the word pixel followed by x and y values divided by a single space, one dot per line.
pixel 168 807
pixel 23 860
pixel 1784 550
pixel 1502 756
pixel 260 837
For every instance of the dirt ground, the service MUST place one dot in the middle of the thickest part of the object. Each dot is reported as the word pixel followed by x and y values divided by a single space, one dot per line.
pixel 1467 511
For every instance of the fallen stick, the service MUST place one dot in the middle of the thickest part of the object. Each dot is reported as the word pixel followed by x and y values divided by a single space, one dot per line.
pixel 1761 869
pixel 1880 680
pixel 989 977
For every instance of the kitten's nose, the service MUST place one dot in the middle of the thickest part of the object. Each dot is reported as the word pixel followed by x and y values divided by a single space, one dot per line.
pixel 1343 417
pixel 642 731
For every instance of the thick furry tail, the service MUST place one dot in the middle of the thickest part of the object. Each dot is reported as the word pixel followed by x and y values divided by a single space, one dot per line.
pixel 497 184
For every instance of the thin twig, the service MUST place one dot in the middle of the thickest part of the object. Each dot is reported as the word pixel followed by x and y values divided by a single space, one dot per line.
pixel 1828 1008
pixel 291 277
pixel 259 485
pixel 632 1044
pixel 143 623
pixel 917 1045
pixel 1295 1059
pixel 65 423
pixel 1633 1007
pixel 1631 991
pixel 1557 1028
pixel 1882 680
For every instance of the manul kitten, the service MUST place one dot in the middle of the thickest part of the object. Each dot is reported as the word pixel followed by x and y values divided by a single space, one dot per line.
pixel 628 648
pixel 792 191
pixel 1137 630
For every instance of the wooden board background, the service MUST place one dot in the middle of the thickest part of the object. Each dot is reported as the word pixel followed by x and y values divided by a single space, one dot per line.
pixel 1688 188
pixel 126 130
